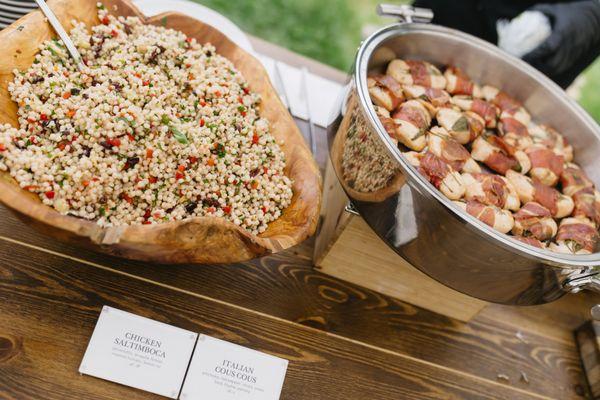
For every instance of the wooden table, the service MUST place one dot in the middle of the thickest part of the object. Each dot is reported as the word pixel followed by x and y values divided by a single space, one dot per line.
pixel 343 341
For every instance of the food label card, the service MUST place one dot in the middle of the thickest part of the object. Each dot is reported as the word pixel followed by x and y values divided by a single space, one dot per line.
pixel 221 370
pixel 138 352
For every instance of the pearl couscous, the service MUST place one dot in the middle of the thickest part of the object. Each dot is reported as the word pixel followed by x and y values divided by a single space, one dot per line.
pixel 155 128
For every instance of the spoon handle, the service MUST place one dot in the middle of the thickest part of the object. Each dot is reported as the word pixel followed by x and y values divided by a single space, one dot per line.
pixel 61 32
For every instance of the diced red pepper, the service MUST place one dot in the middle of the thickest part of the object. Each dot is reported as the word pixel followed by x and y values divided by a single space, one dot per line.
pixel 152 179
pixel 246 90
pixel 202 122
pixel 2 147
pixel 127 198
pixel 189 40
pixel 43 117
pixel 264 209
pixel 147 214
pixel 254 185
pixel 50 194
pixel 71 113
pixel 131 137
pixel 115 142
pixel 255 138
pixel 85 183
pixel 66 95
pixel 94 179
pixel 181 168
pixel 146 83
pixel 218 93
pixel 211 209
pixel 137 75
pixel 202 103
pixel 114 33
pixel 179 175
pixel 31 188
pixel 192 159
pixel 227 209
pixel 146 222
pixel 149 153
pixel 241 100
pixel 105 21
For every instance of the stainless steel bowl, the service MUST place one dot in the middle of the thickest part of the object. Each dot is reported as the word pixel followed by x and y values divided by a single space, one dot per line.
pixel 420 223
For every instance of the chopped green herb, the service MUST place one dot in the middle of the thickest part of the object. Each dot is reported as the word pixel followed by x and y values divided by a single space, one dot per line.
pixel 165 120
pixel 102 212
pixel 179 136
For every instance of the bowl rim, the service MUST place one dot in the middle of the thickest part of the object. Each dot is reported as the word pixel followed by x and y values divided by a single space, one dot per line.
pixel 415 179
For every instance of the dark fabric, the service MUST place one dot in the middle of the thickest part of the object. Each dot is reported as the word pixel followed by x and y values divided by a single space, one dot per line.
pixel 578 47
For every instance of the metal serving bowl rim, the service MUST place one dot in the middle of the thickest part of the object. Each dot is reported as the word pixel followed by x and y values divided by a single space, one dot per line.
pixel 360 77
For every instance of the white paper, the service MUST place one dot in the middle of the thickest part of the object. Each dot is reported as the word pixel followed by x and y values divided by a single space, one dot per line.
pixel 221 370
pixel 138 352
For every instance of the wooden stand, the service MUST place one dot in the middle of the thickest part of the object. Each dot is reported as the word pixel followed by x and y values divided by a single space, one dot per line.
pixel 348 249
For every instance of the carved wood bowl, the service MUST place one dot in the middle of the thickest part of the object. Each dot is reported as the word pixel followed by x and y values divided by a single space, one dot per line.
pixel 196 240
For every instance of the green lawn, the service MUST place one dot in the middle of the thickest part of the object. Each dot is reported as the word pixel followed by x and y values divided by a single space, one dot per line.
pixel 331 30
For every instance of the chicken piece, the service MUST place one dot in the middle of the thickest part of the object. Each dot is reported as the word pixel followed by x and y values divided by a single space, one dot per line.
pixel 419 73
pixel 528 190
pixel 534 220
pixel 385 91
pixel 464 127
pixel 498 155
pixel 575 236
pixel 514 132
pixel 412 120
pixel 491 190
pixel 546 166
pixel 506 103
pixel 441 144
pixel 530 241
pixel 587 205
pixel 438 173
pixel 432 98
pixel 388 123
pixel 551 139
pixel 573 179
pixel 457 82
pixel 484 109
pixel 500 220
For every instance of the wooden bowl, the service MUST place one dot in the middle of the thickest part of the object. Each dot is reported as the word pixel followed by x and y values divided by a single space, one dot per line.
pixel 196 240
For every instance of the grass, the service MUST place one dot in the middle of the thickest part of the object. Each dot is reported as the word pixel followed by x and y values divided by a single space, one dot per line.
pixel 331 30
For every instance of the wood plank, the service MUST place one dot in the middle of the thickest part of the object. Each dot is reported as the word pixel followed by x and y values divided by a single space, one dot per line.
pixel 49 305
pixel 287 287
pixel 359 256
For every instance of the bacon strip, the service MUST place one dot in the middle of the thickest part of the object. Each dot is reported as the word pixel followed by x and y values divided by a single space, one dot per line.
pixel 536 221
pixel 461 84
pixel 546 196
pixel 419 73
pixel 485 110
pixel 545 164
pixel 577 236
pixel 587 205
pixel 411 114
pixel 573 179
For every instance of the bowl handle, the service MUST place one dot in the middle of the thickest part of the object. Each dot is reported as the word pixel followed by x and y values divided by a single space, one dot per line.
pixel 589 279
pixel 405 13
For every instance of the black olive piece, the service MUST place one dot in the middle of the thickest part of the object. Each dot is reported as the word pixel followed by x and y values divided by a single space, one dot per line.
pixel 75 91
pixel 106 145
pixel 131 162
pixel 191 207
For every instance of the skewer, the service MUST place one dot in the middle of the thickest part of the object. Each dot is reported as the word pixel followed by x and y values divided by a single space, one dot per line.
pixel 311 125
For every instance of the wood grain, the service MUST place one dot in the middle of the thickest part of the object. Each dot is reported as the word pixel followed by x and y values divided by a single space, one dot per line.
pixel 198 240
pixel 287 287
pixel 46 304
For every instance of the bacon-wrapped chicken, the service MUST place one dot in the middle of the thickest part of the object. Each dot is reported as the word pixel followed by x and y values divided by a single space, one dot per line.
pixel 551 139
pixel 546 166
pixel 386 120
pixel 464 127
pixel 514 132
pixel 560 205
pixel 457 82
pixel 587 205
pixel 432 98
pixel 575 236
pixel 497 155
pixel 484 109
pixel 531 241
pixel 420 73
pixel 439 173
pixel 573 179
pixel 412 120
pixel 506 103
pixel 440 143
pixel 500 220
pixel 491 190
pixel 534 220
pixel 385 91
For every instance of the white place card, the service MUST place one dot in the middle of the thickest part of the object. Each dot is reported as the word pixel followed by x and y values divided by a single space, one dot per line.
pixel 221 370
pixel 138 352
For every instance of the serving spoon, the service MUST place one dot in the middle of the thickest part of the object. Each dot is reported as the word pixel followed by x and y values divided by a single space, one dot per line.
pixel 58 28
